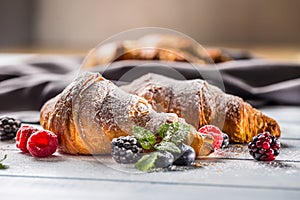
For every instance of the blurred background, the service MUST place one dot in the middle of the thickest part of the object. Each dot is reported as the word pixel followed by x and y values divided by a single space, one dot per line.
pixel 270 27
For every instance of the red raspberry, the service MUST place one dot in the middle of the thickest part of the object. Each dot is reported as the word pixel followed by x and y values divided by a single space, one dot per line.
pixel 22 137
pixel 215 132
pixel 42 143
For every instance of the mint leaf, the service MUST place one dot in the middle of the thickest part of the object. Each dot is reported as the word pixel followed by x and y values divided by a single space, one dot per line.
pixel 145 144
pixel 167 146
pixel 1 165
pixel 5 156
pixel 174 132
pixel 163 129
pixel 167 129
pixel 146 162
pixel 145 137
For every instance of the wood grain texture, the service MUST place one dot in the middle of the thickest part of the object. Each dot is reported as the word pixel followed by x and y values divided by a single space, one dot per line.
pixel 229 174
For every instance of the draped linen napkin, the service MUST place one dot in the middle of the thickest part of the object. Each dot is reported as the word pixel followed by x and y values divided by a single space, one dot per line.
pixel 25 86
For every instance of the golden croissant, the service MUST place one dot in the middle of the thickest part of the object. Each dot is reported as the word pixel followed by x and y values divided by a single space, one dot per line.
pixel 91 111
pixel 200 103
pixel 154 47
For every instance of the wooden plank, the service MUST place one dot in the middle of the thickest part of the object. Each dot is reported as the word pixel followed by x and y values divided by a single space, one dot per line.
pixel 232 173
pixel 283 113
pixel 290 151
pixel 49 189
pixel 224 172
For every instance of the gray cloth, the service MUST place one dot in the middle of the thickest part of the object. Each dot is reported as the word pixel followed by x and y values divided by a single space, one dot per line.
pixel 25 87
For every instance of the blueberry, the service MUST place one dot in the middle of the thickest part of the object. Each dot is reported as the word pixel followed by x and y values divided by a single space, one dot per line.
pixel 164 159
pixel 225 142
pixel 186 157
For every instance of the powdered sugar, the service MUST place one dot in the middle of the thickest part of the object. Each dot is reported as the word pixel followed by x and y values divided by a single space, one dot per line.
pixel 185 98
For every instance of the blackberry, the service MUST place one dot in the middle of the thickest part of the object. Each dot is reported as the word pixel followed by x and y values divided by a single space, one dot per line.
pixel 264 147
pixel 8 128
pixel 225 142
pixel 126 149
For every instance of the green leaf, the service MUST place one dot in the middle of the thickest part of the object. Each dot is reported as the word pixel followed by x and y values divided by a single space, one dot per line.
pixel 5 156
pixel 146 144
pixel 1 165
pixel 145 137
pixel 175 132
pixel 146 162
pixel 167 146
pixel 163 129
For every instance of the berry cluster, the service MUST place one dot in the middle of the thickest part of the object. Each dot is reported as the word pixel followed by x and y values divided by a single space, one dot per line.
pixel 126 149
pixel 8 128
pixel 264 147
pixel 170 151
pixel 39 143
pixel 129 149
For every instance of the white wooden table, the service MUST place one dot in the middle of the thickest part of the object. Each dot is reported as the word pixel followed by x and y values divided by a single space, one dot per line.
pixel 231 174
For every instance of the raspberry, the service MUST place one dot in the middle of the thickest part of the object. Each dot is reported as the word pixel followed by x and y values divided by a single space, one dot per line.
pixel 8 128
pixel 264 147
pixel 215 132
pixel 42 143
pixel 22 137
pixel 126 149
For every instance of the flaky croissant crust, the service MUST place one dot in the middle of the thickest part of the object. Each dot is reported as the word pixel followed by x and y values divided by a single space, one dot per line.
pixel 200 103
pixel 92 111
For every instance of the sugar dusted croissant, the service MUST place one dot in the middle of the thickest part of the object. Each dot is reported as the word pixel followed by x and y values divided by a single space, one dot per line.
pixel 200 103
pixel 154 47
pixel 92 111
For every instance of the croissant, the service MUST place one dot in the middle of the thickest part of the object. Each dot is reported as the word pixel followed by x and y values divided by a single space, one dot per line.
pixel 91 111
pixel 154 47
pixel 200 103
